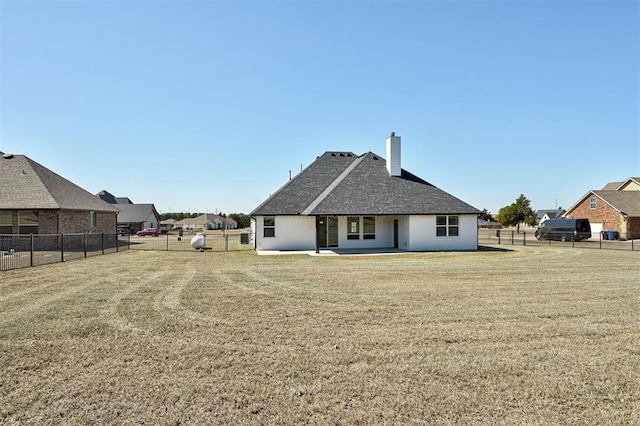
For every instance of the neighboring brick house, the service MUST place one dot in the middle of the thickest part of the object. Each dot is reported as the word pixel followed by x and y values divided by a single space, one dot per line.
pixel 616 207
pixel 35 200
pixel 134 216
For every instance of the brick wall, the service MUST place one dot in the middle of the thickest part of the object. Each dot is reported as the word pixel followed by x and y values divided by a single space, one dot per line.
pixel 70 222
pixel 75 221
pixel 633 227
pixel 603 213
pixel 48 222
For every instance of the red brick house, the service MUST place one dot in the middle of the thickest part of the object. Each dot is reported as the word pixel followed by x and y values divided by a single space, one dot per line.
pixel 616 207
pixel 35 200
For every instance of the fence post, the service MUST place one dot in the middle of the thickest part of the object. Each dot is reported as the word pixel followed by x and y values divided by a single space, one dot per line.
pixel 84 237
pixel 524 235
pixel 102 241
pixel 512 237
pixel 167 234
pixel 61 247
pixel 31 251
pixel 499 235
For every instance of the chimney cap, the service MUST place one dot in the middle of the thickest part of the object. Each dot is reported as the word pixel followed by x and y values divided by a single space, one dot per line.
pixel 393 134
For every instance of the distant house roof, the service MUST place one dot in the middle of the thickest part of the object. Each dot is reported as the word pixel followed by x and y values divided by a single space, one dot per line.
pixel 342 183
pixel 135 213
pixel 205 219
pixel 551 214
pixel 25 184
pixel 612 186
pixel 111 199
pixel 488 224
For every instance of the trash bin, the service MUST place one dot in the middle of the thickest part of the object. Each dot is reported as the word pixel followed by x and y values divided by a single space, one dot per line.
pixel 611 235
pixel 604 235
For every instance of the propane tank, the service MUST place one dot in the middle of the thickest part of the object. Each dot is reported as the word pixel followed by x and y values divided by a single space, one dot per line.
pixel 198 241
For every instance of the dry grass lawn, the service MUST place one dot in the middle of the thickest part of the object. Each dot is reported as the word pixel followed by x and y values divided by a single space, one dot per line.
pixel 538 335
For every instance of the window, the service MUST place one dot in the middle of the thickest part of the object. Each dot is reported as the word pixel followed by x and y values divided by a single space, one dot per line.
pixel 592 202
pixel 28 222
pixel 353 228
pixel 92 219
pixel 269 226
pixel 447 226
pixel 369 228
pixel 6 222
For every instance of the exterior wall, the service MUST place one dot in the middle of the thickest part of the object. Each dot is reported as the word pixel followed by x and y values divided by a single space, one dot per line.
pixel 384 234
pixel 48 222
pixel 423 234
pixel 415 233
pixel 152 221
pixel 603 213
pixel 291 233
pixel 633 228
pixel 70 221
pixel 77 221
pixel 630 186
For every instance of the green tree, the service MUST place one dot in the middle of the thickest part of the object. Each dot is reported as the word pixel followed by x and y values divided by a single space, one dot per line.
pixel 243 220
pixel 517 213
pixel 485 215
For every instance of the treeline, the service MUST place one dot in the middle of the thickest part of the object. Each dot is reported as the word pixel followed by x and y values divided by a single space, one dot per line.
pixel 243 220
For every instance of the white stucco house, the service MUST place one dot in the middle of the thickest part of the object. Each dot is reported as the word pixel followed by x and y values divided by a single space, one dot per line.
pixel 348 201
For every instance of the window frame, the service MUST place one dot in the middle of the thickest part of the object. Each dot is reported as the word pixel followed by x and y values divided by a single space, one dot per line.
pixel 28 227
pixel 447 226
pixel 7 225
pixel 351 234
pixel 368 227
pixel 93 219
pixel 593 202
pixel 270 228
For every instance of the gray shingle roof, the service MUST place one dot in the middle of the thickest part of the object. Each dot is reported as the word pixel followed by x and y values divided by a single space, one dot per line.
pixel 623 201
pixel 25 184
pixel 341 183
pixel 135 213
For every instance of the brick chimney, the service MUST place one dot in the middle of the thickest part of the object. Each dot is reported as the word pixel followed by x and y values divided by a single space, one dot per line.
pixel 394 166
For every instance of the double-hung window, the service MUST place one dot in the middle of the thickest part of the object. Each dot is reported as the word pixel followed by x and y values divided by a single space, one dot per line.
pixel 6 222
pixel 269 226
pixel 592 202
pixel 93 220
pixel 368 228
pixel 353 228
pixel 28 222
pixel 446 226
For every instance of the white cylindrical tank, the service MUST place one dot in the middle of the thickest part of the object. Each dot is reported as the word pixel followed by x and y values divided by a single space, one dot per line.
pixel 198 241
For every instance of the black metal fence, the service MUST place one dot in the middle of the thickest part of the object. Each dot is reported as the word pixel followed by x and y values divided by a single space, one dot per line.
pixel 216 241
pixel 24 250
pixel 526 238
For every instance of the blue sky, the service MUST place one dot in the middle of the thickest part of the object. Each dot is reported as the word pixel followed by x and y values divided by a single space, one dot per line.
pixel 206 106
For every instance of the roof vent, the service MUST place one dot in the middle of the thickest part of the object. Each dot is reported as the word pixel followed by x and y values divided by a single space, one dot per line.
pixel 7 156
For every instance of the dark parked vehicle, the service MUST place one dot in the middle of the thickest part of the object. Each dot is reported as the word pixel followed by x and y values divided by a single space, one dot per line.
pixel 123 230
pixel 564 230
pixel 148 231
